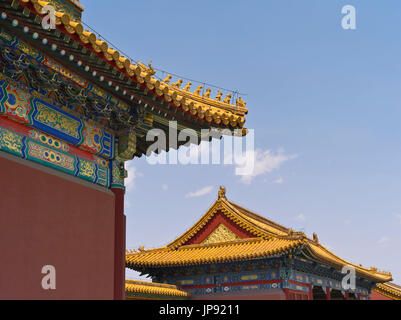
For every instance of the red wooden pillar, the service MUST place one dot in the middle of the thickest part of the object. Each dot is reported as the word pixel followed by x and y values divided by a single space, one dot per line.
pixel 119 245
pixel 328 293
pixel 346 296
pixel 287 294
pixel 310 295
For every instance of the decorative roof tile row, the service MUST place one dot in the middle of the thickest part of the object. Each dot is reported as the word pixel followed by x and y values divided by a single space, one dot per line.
pixel 269 239
pixel 389 289
pixel 153 289
pixel 213 253
pixel 212 111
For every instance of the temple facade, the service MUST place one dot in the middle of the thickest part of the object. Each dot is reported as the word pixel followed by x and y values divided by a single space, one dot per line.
pixel 234 253
pixel 73 110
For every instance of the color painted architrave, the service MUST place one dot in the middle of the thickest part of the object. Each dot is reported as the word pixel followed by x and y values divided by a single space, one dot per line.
pixel 41 148
pixel 137 80
pixel 18 104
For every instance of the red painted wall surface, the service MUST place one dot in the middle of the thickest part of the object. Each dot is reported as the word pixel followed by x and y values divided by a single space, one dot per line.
pixel 46 219
pixel 377 296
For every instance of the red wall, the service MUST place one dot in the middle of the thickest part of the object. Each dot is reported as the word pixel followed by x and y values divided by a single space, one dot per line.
pixel 377 296
pixel 48 218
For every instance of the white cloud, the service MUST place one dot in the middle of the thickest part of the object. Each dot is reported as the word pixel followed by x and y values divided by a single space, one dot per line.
pixel 279 180
pixel 200 192
pixel 265 162
pixel 383 240
pixel 165 187
pixel 132 175
pixel 300 217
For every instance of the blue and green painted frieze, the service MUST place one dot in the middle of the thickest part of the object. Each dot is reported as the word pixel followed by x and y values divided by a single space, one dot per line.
pixel 36 146
pixel 23 107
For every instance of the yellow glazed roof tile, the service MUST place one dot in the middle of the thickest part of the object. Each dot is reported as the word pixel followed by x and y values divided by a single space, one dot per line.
pixel 151 288
pixel 218 111
pixel 212 253
pixel 253 223
pixel 389 289
pixel 323 254
pixel 269 239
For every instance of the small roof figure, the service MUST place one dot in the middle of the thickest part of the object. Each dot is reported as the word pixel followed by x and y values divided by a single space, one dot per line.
pixel 222 193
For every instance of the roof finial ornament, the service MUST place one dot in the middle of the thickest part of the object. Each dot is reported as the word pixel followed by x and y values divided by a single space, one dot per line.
pixel 240 102
pixel 222 193
pixel 177 84
pixel 227 99
pixel 198 90
pixel 207 93
pixel 315 238
pixel 167 79
pixel 219 94
pixel 188 86
pixel 150 68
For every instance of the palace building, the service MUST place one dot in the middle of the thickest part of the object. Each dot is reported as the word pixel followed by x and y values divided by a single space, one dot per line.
pixel 73 110
pixel 234 253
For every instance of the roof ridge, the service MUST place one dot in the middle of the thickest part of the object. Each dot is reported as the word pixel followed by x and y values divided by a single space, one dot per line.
pixel 260 217
pixel 200 223
pixel 222 113
pixel 220 244
pixel 223 205
pixel 268 224
pixel 344 262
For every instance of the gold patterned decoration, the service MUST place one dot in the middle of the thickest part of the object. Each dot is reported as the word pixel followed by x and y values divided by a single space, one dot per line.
pixel 193 103
pixel 127 146
pixel 220 234
pixel 57 120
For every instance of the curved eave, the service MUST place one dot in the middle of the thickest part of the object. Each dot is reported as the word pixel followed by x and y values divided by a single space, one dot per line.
pixel 157 290
pixel 389 290
pixel 207 111
pixel 320 253
pixel 239 250
pixel 255 227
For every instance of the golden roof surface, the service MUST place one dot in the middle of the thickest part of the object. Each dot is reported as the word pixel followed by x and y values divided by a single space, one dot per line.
pixel 154 289
pixel 242 249
pixel 269 239
pixel 390 290
pixel 218 111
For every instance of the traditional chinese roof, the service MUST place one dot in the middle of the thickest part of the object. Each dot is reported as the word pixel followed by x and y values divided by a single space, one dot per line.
pixel 141 289
pixel 229 233
pixel 389 289
pixel 145 101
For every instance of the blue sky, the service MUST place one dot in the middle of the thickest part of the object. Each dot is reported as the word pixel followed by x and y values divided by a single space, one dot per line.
pixel 324 103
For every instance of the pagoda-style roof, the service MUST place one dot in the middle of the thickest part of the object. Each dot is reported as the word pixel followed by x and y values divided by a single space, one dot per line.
pixel 228 232
pixel 389 289
pixel 141 290
pixel 128 94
